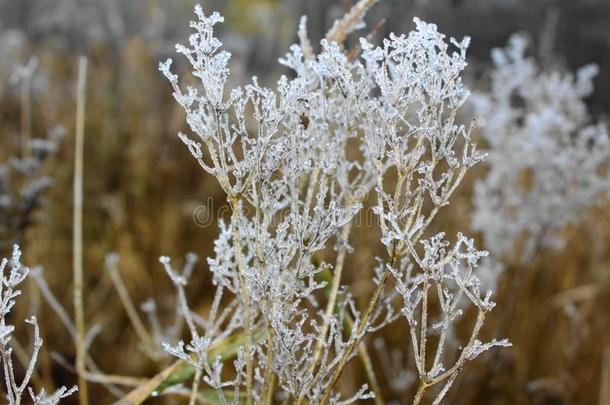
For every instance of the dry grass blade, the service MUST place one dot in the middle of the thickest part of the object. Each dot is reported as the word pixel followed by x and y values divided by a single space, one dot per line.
pixel 79 315
pixel 141 393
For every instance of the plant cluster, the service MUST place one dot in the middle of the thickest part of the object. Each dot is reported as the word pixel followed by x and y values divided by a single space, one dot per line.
pixel 297 163
pixel 547 162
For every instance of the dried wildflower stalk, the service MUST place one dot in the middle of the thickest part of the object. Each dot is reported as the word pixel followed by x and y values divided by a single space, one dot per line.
pixel 14 391
pixel 282 159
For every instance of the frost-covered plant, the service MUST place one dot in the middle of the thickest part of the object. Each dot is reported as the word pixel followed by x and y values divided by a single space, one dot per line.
pixel 16 274
pixel 22 186
pixel 547 163
pixel 296 165
pixel 452 273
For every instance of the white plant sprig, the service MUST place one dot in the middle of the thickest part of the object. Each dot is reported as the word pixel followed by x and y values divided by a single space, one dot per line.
pixel 9 291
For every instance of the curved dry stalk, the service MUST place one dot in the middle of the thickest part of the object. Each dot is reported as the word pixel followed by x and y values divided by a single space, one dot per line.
pixel 147 340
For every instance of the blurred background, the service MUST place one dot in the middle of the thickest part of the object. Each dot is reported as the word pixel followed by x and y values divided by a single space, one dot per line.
pixel 144 192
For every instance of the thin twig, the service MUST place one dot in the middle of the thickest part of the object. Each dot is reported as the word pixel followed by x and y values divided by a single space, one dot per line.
pixel 38 277
pixel 101 378
pixel 23 359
